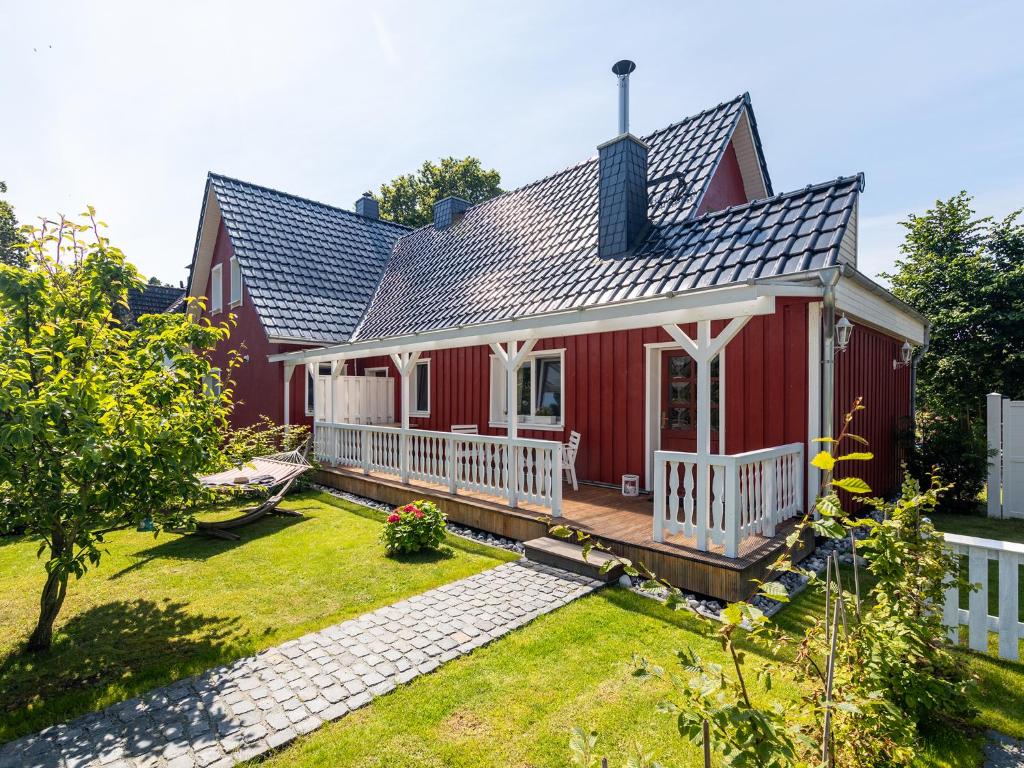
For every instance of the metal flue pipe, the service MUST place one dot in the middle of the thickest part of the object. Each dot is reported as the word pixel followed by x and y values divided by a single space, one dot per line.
pixel 621 69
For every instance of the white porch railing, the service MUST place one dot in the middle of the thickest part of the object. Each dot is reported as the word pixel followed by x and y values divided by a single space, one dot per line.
pixel 516 470
pixel 724 499
pixel 1010 556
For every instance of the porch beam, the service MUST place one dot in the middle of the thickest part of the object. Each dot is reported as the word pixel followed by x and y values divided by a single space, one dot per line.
pixel 711 304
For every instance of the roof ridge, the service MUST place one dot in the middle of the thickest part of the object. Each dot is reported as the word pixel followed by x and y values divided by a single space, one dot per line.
pixel 743 97
pixel 859 177
pixel 213 175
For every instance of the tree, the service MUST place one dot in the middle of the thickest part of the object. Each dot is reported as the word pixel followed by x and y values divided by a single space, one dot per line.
pixel 100 425
pixel 10 234
pixel 966 275
pixel 409 199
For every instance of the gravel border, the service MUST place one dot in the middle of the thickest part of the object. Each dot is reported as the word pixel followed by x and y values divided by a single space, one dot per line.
pixel 463 531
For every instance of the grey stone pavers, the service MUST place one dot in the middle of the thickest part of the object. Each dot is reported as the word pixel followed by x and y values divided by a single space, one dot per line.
pixel 239 711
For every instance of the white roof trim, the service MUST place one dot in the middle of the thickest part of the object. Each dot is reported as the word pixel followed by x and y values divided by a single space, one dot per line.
pixel 208 229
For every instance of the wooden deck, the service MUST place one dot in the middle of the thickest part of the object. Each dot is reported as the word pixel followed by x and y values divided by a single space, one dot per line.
pixel 623 524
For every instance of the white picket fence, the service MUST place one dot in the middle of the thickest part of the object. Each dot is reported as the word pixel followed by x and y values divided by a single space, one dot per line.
pixel 1005 427
pixel 519 470
pixel 355 399
pixel 725 499
pixel 1010 557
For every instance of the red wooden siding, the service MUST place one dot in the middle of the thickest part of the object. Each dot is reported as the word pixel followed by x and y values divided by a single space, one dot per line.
pixel 258 384
pixel 865 370
pixel 726 187
pixel 605 375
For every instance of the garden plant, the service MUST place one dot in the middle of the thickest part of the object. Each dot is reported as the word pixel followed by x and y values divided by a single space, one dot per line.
pixel 104 422
pixel 412 528
pixel 877 668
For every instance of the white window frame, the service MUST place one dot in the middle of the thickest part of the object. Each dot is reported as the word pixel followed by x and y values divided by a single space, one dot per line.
pixel 217 289
pixel 212 382
pixel 413 411
pixel 236 283
pixel 309 402
pixel 497 414
pixel 376 372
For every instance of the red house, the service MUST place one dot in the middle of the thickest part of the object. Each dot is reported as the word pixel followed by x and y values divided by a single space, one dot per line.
pixel 696 328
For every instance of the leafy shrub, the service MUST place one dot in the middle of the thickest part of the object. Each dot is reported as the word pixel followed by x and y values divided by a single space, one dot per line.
pixel 957 444
pixel 414 527
pixel 261 439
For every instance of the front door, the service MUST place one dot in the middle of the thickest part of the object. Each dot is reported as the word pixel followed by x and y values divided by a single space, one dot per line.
pixel 679 402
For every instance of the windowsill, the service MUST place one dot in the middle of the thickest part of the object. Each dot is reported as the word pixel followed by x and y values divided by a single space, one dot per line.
pixel 234 304
pixel 419 414
pixel 216 311
pixel 529 425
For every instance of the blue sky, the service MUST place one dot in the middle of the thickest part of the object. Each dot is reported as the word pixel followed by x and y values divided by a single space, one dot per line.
pixel 126 106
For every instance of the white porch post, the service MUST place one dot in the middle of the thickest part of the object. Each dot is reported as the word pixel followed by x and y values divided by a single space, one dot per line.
pixel 406 364
pixel 511 358
pixel 703 351
pixel 289 369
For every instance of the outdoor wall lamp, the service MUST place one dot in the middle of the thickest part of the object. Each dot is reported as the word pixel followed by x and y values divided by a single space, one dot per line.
pixel 906 353
pixel 844 329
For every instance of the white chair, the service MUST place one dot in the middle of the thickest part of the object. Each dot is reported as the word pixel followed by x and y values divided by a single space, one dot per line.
pixel 569 451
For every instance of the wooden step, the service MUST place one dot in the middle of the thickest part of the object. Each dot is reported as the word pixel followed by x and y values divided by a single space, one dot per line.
pixel 559 553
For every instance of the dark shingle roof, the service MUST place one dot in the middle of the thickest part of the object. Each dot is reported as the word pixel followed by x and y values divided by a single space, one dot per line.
pixel 154 299
pixel 534 250
pixel 310 268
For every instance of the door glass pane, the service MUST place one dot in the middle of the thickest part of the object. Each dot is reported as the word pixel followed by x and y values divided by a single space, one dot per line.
pixel 680 393
pixel 679 418
pixel 679 366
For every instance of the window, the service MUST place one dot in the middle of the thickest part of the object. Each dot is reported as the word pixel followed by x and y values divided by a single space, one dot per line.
pixel 380 373
pixel 236 283
pixel 323 369
pixel 540 382
pixel 212 382
pixel 216 289
pixel 420 395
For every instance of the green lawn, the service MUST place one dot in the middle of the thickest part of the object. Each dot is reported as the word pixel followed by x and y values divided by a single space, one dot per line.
pixel 515 702
pixel 157 610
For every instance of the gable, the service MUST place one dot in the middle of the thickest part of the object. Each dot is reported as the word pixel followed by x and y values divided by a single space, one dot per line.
pixel 726 187
pixel 310 269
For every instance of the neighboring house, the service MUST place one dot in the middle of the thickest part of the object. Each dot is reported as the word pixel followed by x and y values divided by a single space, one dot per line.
pixel 155 300
pixel 661 299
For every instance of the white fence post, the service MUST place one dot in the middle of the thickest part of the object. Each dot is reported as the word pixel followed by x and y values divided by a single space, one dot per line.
pixel 732 510
pixel 771 506
pixel 994 431
pixel 452 461
pixel 556 482
pixel 659 498
pixel 1008 606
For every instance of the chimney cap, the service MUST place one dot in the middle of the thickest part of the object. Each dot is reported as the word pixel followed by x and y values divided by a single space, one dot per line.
pixel 623 67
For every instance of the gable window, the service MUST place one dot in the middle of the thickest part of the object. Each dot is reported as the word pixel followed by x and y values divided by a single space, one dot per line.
pixel 322 369
pixel 217 289
pixel 236 283
pixel 540 382
pixel 420 395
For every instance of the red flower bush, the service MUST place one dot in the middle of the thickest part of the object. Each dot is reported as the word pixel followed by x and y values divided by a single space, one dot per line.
pixel 414 527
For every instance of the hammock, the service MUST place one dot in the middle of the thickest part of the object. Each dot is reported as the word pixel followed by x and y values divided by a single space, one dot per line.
pixel 262 473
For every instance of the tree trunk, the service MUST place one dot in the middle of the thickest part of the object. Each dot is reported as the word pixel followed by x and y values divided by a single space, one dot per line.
pixel 54 592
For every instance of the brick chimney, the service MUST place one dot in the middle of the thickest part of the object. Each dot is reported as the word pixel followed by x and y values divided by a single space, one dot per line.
pixel 367 206
pixel 449 210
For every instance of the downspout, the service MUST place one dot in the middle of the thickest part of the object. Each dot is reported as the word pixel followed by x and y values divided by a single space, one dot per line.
pixel 829 280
